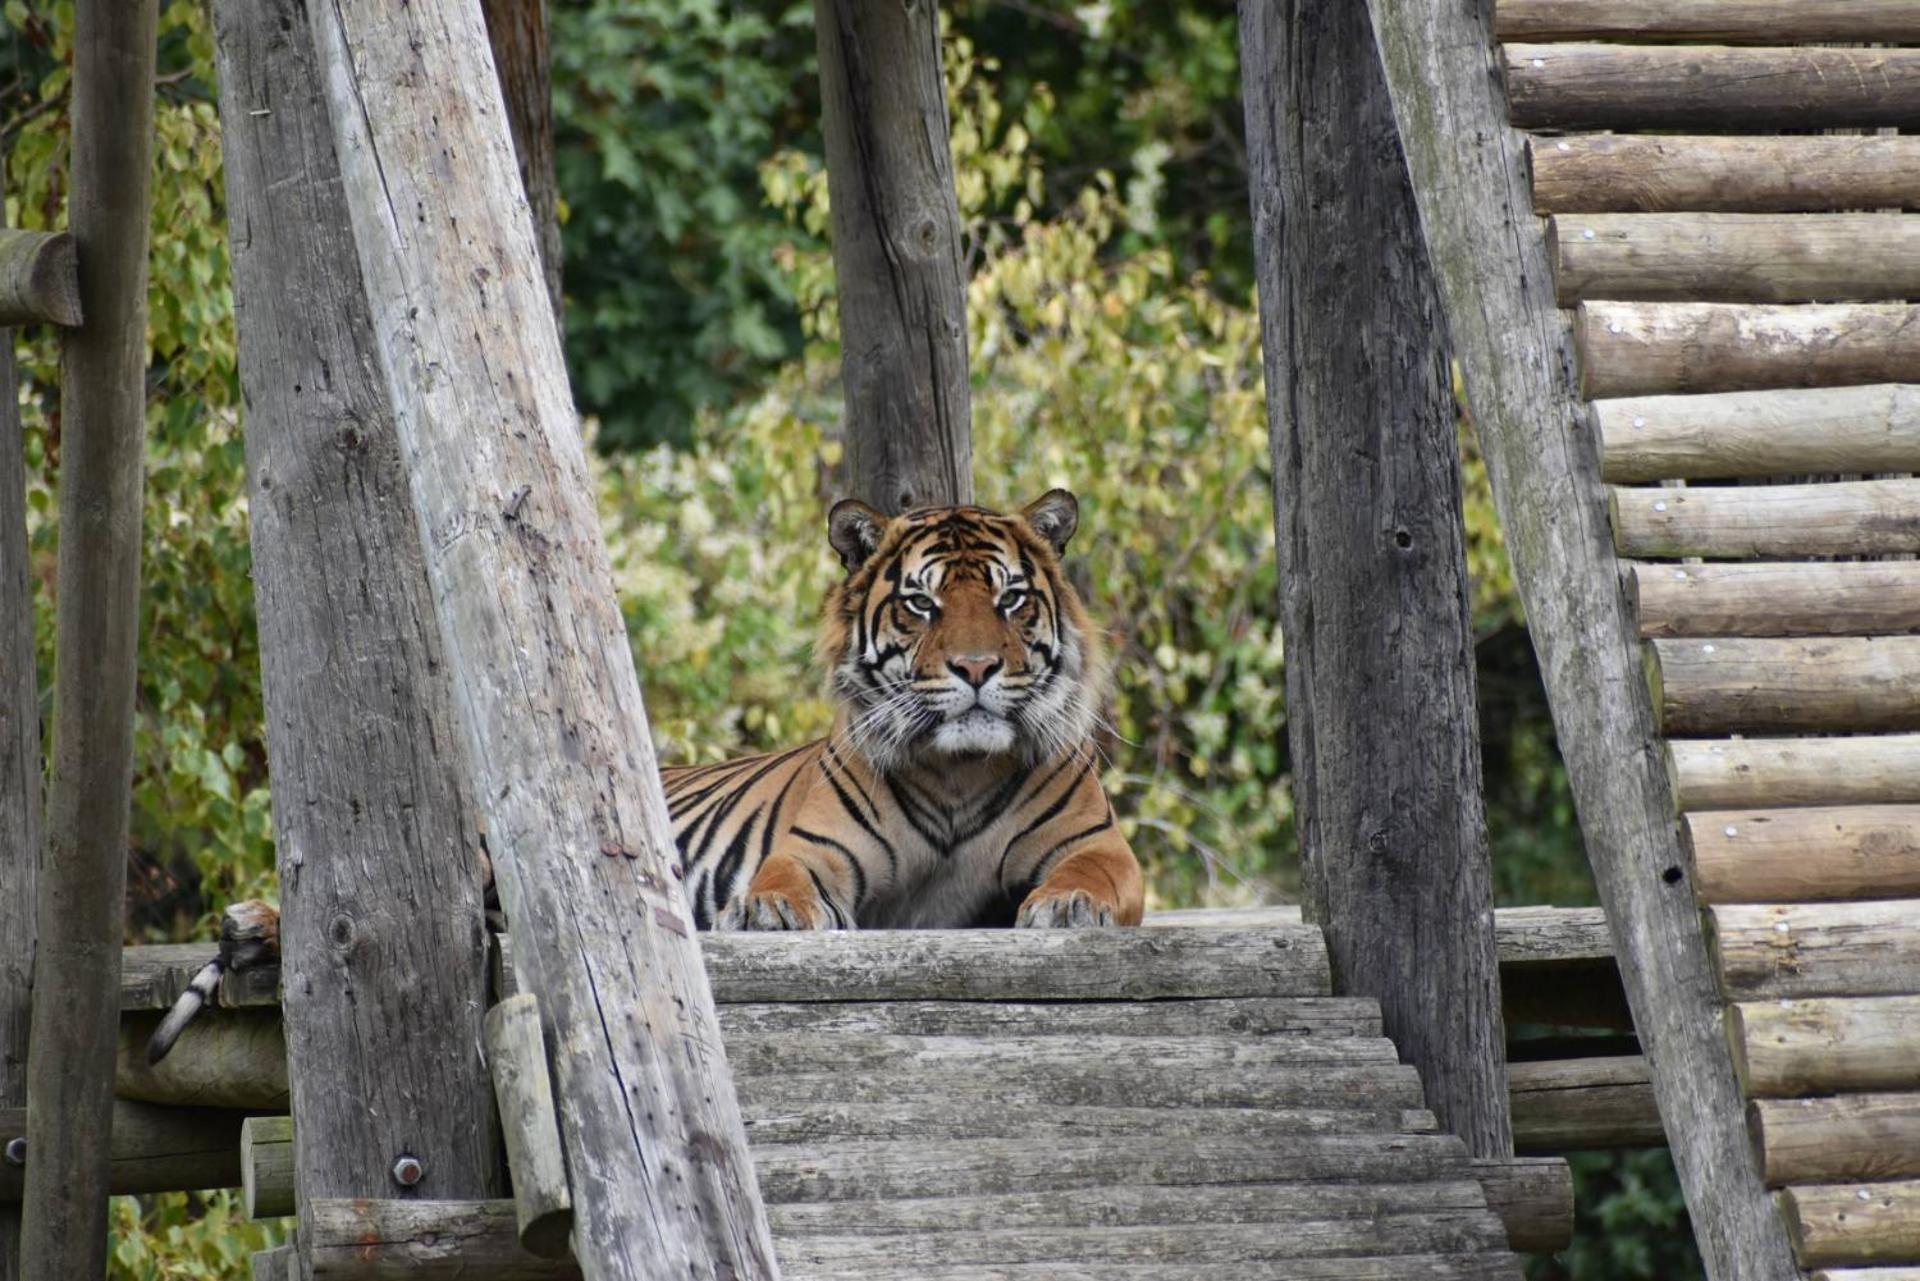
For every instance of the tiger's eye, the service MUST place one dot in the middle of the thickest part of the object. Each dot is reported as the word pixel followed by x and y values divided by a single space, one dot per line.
pixel 918 603
pixel 1012 601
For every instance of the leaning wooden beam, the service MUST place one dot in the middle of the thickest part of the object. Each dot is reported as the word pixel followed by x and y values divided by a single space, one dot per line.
pixel 523 61
pixel 1760 433
pixel 1784 952
pixel 1847 518
pixel 1849 1223
pixel 1730 773
pixel 1738 686
pixel 1826 1045
pixel 39 278
pixel 1805 855
pixel 896 254
pixel 83 871
pixel 1571 1105
pixel 547 699
pixel 1514 350
pixel 1611 86
pixel 381 926
pixel 517 1055
pixel 1713 21
pixel 1852 1137
pixel 1843 598
pixel 1642 349
pixel 1712 257
pixel 1646 173
pixel 155 1149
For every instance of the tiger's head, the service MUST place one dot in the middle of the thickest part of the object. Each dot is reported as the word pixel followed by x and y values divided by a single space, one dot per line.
pixel 956 634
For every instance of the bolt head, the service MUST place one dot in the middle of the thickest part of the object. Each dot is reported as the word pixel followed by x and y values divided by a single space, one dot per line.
pixel 408 1171
pixel 16 1151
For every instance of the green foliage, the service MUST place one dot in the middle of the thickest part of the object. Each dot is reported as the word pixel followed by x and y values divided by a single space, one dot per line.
pixel 1631 1223
pixel 180 1236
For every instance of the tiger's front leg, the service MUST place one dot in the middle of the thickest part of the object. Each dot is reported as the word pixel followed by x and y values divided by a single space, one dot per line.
pixel 1099 884
pixel 787 893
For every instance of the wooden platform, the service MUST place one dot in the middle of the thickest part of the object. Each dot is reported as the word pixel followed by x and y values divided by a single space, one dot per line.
pixel 1744 308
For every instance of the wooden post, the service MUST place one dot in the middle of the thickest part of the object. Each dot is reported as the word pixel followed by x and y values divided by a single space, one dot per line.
pixel 382 925
pixel 1515 350
pixel 896 254
pixel 1366 481
pixel 523 58
pixel 536 650
pixel 82 889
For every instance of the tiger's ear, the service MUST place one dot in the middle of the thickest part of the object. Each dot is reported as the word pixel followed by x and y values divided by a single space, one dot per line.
pixel 1054 516
pixel 855 530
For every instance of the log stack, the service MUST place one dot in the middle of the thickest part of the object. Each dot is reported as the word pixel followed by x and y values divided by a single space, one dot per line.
pixel 1743 304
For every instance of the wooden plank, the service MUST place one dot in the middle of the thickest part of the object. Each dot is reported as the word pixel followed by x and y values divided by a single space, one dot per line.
pixel 1479 1266
pixel 1641 349
pixel 1853 1222
pixel 1867 1274
pixel 517 1055
pixel 896 255
pixel 1515 352
pixel 1847 598
pixel 1735 257
pixel 1732 773
pixel 421 1241
pixel 155 1149
pixel 1651 173
pixel 787 1053
pixel 267 1178
pixel 39 278
pixel 1609 86
pixel 1572 1105
pixel 1760 433
pixel 772 1119
pixel 1824 1045
pixel 1845 518
pixel 1817 949
pixel 537 653
pixel 1094 1084
pixel 1714 21
pixel 1533 1198
pixel 1854 1136
pixel 382 906
pixel 1741 685
pixel 83 868
pixel 153 977
pixel 1246 1018
pixel 1805 855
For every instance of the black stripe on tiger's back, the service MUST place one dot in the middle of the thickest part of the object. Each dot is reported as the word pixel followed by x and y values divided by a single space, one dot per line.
pixel 853 863
pixel 1046 816
pixel 847 803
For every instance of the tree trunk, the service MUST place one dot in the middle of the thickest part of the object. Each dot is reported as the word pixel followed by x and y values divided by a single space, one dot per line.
pixel 523 60
pixel 537 652
pixel 82 908
pixel 1366 476
pixel 896 254
pixel 381 877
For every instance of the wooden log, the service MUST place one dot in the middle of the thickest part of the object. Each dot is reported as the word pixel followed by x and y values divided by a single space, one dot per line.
pixel 1479 1266
pixel 1853 1222
pixel 1099 1085
pixel 523 63
pixel 1533 1199
pixel 1608 86
pixel 282 1263
pixel 1867 1274
pixel 1363 438
pixel 517 1054
pixel 1827 1045
pixel 82 882
pixel 153 976
pixel 1735 257
pixel 1642 349
pixel 268 1178
pixel 1753 686
pixel 536 650
pixel 1805 855
pixel 382 905
pixel 1732 773
pixel 1767 22
pixel 800 1052
pixel 1819 949
pixel 896 255
pixel 370 1240
pixel 1854 1136
pixel 1847 518
pixel 230 1060
pixel 1572 1105
pixel 155 1149
pixel 1650 173
pixel 39 278
pixel 1847 598
pixel 1514 350
pixel 1760 433
pixel 773 1120
pixel 1257 1017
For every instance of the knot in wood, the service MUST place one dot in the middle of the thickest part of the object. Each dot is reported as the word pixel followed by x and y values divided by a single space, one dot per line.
pixel 341 932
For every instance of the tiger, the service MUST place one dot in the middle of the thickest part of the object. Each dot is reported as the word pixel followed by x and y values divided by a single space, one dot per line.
pixel 958 785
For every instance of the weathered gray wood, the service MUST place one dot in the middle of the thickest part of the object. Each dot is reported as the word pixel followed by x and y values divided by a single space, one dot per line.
pixel 1247 1018
pixel 1855 1136
pixel 773 1120
pixel 380 863
pixel 1363 438
pixel 1735 686
pixel 153 976
pixel 1609 86
pixel 228 1060
pixel 1848 518
pixel 155 1149
pixel 282 1263
pixel 1736 257
pixel 1480 1266
pixel 1629 173
pixel 1846 598
pixel 1805 855
pixel 82 885
pixel 902 285
pixel 421 1241
pixel 1652 348
pixel 535 646
pixel 1817 949
pixel 1851 1223
pixel 517 1055
pixel 786 1053
pixel 267 1177
pixel 1513 348
pixel 1571 1105
pixel 1769 22
pixel 1825 1045
pixel 1533 1198
pixel 20 776
pixel 1867 1274
pixel 1730 773
pixel 1760 433
pixel 523 61
pixel 39 278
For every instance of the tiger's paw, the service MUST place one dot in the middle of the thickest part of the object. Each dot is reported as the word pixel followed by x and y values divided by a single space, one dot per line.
pixel 1064 909
pixel 777 910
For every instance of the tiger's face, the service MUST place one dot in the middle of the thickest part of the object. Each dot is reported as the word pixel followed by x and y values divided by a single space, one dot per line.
pixel 955 634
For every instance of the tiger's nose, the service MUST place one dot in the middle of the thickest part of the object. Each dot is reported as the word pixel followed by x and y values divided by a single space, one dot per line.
pixel 974 669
